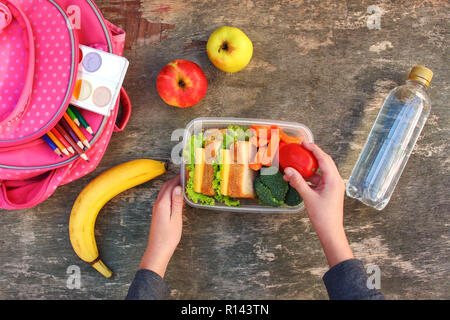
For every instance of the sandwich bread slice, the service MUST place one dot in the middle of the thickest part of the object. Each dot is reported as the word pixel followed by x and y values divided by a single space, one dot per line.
pixel 204 169
pixel 237 177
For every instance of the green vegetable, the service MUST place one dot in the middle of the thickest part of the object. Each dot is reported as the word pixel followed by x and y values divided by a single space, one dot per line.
pixel 271 189
pixel 227 141
pixel 195 196
pixel 239 133
pixel 265 195
pixel 292 197
pixel 196 141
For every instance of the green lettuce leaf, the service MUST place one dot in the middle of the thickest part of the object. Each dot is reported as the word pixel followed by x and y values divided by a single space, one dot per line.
pixel 195 196
pixel 196 141
pixel 239 133
pixel 216 185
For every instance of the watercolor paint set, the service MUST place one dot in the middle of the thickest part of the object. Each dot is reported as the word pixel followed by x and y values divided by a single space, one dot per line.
pixel 99 79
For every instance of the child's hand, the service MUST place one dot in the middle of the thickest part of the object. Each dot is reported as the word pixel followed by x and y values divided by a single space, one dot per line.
pixel 324 201
pixel 166 227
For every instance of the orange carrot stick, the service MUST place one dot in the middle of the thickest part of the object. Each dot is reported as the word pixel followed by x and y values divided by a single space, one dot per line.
pixel 261 131
pixel 254 140
pixel 288 139
pixel 256 163
pixel 272 148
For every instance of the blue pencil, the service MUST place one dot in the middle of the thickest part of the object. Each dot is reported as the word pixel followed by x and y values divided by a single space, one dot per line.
pixel 52 145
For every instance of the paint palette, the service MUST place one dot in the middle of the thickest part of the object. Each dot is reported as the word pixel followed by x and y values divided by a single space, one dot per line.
pixel 100 77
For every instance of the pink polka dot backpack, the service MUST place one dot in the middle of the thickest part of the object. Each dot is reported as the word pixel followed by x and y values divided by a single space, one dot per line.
pixel 39 58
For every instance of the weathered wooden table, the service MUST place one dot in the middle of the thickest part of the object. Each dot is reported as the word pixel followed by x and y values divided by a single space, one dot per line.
pixel 326 64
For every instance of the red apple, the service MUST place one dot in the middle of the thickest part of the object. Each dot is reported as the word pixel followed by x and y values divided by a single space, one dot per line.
pixel 181 83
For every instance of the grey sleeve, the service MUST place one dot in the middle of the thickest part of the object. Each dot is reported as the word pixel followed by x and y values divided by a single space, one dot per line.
pixel 148 285
pixel 348 281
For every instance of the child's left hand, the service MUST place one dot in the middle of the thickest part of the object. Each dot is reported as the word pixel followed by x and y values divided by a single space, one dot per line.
pixel 166 227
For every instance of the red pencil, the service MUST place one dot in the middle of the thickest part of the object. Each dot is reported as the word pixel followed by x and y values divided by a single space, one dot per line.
pixel 71 141
pixel 69 130
pixel 62 140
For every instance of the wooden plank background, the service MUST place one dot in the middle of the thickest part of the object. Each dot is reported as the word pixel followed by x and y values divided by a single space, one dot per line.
pixel 315 62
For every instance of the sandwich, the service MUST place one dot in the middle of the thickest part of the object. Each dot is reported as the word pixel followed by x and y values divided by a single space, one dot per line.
pixel 224 173
pixel 236 176
pixel 221 168
pixel 204 167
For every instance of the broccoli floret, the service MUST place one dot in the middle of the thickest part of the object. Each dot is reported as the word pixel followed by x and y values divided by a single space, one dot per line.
pixel 265 195
pixel 271 189
pixel 277 185
pixel 292 197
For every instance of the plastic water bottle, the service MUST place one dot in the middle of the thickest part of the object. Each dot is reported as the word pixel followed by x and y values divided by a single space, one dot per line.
pixel 391 140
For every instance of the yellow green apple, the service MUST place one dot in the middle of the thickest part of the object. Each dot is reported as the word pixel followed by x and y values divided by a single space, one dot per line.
pixel 229 49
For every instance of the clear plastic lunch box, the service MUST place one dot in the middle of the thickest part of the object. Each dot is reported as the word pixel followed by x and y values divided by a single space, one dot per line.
pixel 200 124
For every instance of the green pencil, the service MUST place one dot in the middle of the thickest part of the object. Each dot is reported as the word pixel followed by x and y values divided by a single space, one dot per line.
pixel 81 118
pixel 73 116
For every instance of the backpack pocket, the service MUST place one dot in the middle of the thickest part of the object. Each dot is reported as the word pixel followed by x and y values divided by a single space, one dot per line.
pixel 51 69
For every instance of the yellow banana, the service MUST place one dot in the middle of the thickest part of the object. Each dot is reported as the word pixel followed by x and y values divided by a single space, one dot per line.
pixel 95 195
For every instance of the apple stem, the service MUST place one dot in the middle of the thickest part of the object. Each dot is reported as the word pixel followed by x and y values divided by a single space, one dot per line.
pixel 181 83
pixel 224 46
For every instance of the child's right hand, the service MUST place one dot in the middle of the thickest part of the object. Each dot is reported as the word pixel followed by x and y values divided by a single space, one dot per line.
pixel 324 202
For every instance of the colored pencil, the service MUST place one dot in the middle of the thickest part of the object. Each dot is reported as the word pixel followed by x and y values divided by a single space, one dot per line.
pixel 73 116
pixel 77 130
pixel 81 118
pixel 52 145
pixel 69 139
pixel 58 143
pixel 62 140
pixel 78 149
pixel 72 134
pixel 65 134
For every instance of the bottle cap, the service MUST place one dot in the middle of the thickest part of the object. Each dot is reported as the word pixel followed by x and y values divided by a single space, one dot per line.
pixel 421 74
